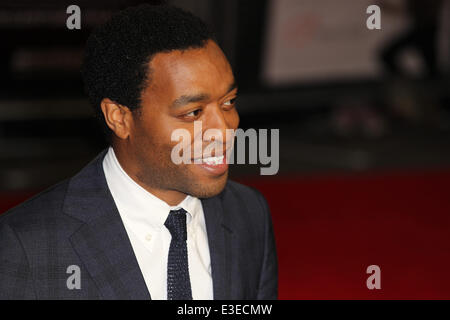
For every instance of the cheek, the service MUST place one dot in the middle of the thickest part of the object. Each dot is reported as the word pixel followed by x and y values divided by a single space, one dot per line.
pixel 161 143
pixel 144 136
pixel 233 119
pixel 147 141
pixel 152 129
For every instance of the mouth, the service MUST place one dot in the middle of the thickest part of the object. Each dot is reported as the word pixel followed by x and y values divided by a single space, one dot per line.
pixel 211 161
pixel 214 165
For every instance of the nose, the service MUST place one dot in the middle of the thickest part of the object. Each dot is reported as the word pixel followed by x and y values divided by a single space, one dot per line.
pixel 217 120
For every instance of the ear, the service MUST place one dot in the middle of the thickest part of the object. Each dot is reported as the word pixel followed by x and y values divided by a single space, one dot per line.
pixel 118 118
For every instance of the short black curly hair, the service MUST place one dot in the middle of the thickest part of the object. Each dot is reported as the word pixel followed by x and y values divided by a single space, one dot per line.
pixel 118 53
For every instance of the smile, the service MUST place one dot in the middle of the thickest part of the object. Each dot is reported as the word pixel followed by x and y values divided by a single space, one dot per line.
pixel 213 160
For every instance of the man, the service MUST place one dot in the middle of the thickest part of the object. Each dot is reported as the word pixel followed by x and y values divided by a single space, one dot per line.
pixel 133 224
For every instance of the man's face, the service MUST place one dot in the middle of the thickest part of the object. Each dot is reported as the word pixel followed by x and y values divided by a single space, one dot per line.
pixel 185 86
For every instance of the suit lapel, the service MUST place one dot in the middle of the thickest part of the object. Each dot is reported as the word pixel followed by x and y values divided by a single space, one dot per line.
pixel 219 240
pixel 102 242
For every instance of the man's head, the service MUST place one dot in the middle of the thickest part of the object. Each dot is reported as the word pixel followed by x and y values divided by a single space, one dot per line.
pixel 149 71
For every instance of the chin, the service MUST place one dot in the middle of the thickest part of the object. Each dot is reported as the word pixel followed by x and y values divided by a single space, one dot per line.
pixel 208 189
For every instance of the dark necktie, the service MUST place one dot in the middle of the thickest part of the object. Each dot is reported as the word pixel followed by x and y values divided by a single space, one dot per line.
pixel 178 282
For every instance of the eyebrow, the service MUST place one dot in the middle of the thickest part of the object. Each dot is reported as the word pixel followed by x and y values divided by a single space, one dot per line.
pixel 186 99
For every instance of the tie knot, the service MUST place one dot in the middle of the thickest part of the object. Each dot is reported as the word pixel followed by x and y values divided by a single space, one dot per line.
pixel 176 224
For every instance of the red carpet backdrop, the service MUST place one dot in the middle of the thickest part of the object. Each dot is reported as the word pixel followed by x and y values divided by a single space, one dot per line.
pixel 330 229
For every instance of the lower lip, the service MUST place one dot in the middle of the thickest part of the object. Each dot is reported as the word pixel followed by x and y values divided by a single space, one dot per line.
pixel 216 169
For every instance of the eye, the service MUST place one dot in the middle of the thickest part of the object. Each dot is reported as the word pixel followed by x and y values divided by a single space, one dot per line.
pixel 194 113
pixel 230 102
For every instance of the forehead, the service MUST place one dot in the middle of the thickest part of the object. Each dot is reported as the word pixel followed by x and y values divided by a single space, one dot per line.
pixel 182 72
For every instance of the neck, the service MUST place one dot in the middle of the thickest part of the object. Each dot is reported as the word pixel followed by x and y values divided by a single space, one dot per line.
pixel 171 197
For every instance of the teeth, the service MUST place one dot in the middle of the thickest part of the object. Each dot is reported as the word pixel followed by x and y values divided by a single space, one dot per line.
pixel 213 160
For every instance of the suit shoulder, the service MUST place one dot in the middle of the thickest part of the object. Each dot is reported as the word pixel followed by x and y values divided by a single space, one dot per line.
pixel 235 191
pixel 241 189
pixel 46 203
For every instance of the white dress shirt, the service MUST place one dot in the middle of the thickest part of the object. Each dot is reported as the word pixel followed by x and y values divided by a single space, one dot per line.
pixel 143 215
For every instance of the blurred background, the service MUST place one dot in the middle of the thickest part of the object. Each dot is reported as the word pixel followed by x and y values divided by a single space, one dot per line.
pixel 364 120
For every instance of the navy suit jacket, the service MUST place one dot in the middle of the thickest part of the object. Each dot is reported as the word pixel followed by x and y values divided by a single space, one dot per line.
pixel 77 223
